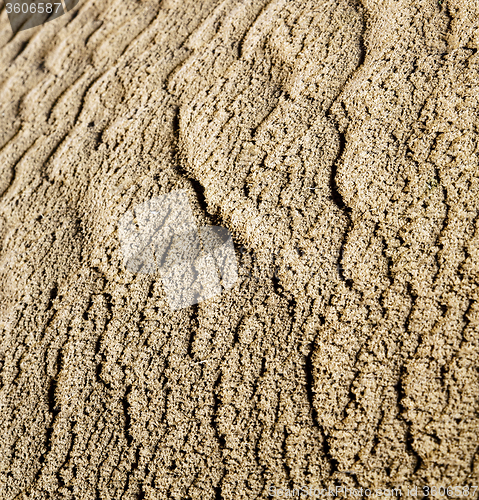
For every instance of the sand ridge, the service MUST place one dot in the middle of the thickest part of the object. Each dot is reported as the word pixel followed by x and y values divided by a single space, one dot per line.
pixel 337 138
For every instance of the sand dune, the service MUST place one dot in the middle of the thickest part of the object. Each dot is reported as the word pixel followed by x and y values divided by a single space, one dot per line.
pixel 336 142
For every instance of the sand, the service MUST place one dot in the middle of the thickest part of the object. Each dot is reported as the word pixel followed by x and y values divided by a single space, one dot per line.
pixel 336 141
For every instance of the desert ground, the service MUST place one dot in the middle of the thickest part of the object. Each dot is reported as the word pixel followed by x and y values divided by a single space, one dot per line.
pixel 337 142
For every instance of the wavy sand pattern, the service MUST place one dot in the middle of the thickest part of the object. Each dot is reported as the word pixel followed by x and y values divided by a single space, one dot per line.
pixel 337 142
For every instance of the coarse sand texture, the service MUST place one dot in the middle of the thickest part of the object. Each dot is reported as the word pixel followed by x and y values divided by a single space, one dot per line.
pixel 333 144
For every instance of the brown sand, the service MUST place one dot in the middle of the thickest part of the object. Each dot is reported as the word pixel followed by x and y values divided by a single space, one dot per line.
pixel 337 137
